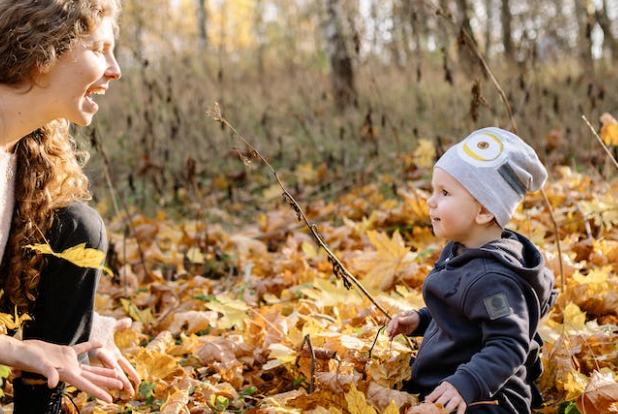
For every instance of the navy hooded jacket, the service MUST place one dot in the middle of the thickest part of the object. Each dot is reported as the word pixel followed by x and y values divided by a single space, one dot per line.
pixel 480 322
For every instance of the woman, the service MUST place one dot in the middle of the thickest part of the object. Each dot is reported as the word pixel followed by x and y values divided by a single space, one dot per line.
pixel 55 56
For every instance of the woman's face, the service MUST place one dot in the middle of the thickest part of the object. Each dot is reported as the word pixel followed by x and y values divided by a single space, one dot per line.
pixel 80 74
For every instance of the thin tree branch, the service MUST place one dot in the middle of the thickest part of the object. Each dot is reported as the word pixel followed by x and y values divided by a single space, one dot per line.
pixel 338 268
pixel 557 231
pixel 611 156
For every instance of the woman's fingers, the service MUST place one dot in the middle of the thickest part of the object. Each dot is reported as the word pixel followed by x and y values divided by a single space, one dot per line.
pixel 102 371
pixel 128 368
pixel 52 375
pixel 122 324
pixel 102 381
pixel 81 382
pixel 111 361
pixel 85 347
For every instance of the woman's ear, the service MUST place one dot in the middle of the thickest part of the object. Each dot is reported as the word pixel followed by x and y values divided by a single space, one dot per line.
pixel 484 216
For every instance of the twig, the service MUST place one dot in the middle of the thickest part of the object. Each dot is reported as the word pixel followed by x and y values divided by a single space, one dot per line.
pixel 307 340
pixel 557 231
pixel 611 156
pixel 338 268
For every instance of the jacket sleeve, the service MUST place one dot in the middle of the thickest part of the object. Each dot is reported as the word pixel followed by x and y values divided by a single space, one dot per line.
pixel 425 318
pixel 498 304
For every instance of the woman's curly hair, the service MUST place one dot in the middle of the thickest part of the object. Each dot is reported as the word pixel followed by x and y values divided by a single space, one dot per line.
pixel 35 33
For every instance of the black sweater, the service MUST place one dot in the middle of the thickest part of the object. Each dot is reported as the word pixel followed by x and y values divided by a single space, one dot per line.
pixel 482 312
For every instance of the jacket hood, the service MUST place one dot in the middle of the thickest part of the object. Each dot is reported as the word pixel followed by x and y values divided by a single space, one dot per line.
pixel 516 253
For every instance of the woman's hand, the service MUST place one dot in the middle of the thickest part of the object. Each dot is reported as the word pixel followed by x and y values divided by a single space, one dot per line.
pixel 60 363
pixel 403 323
pixel 108 355
pixel 447 395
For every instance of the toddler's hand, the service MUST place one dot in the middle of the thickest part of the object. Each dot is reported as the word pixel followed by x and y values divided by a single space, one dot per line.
pixel 447 395
pixel 403 323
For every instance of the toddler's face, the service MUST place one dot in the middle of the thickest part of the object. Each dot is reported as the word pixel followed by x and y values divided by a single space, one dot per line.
pixel 452 209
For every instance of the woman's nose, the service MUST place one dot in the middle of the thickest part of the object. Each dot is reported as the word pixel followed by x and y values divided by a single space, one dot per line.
pixel 113 69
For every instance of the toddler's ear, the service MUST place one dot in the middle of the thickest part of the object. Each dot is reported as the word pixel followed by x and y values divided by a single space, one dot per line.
pixel 484 216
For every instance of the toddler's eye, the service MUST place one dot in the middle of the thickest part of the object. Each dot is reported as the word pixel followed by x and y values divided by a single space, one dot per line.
pixel 444 192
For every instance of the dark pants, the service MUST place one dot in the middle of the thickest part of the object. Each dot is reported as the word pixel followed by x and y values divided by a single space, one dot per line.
pixel 62 312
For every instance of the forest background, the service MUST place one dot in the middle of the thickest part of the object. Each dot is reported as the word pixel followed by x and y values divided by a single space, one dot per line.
pixel 351 101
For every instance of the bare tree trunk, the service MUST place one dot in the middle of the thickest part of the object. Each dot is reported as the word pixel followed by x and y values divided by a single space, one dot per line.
pixel 585 23
pixel 489 26
pixel 416 24
pixel 342 72
pixel 606 25
pixel 258 27
pixel 202 19
pixel 507 38
pixel 467 59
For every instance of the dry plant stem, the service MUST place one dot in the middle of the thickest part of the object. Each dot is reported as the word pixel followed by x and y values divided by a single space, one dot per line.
pixel 490 402
pixel 468 40
pixel 338 268
pixel 307 340
pixel 557 231
pixel 611 156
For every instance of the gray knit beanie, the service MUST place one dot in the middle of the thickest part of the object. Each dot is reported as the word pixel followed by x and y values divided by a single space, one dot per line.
pixel 497 168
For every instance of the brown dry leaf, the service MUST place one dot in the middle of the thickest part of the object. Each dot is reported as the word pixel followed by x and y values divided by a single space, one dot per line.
pixel 176 403
pixel 321 398
pixel 600 396
pixel 161 343
pixel 337 382
pixel 427 408
pixel 382 397
pixel 234 311
pixel 195 321
pixel 152 365
pixel 382 267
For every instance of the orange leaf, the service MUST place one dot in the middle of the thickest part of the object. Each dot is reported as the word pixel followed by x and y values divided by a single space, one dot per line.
pixel 427 408
pixel 609 130
pixel 600 396
pixel 384 265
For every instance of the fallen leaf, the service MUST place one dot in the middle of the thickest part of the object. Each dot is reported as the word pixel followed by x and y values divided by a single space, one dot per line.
pixel 79 255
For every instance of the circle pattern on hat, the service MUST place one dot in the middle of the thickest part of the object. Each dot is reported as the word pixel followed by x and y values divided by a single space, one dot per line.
pixel 483 149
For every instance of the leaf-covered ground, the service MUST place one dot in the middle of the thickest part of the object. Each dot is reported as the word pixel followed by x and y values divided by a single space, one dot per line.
pixel 227 310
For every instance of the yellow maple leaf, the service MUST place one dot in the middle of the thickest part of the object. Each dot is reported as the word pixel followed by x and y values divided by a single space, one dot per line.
pixel 195 255
pixel 9 322
pixel 357 403
pixel 573 318
pixel 609 130
pixel 383 266
pixel 234 311
pixel 152 365
pixel 391 409
pixel 305 173
pixel 425 153
pixel 326 293
pixel 281 354
pixel 144 316
pixel 79 255
pixel 574 385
